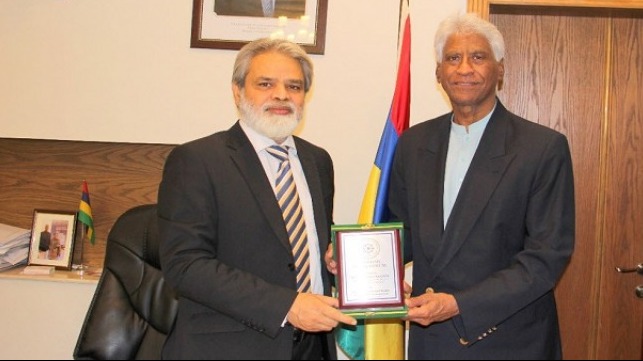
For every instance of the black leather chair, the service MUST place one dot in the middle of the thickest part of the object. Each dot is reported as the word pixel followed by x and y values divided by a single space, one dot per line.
pixel 133 309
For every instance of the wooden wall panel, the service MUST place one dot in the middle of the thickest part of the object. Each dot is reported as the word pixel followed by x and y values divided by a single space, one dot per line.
pixel 575 66
pixel 48 174
pixel 622 236
pixel 546 83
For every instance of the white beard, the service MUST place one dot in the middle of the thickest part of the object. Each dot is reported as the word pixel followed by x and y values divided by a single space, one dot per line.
pixel 272 126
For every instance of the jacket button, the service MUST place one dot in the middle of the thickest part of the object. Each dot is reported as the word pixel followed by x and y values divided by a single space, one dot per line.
pixel 291 266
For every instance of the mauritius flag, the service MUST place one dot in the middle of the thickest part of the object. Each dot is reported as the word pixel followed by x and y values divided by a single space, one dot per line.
pixel 374 209
pixel 85 214
pixel 376 340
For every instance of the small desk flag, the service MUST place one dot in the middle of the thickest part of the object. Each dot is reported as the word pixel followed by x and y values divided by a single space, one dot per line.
pixel 85 214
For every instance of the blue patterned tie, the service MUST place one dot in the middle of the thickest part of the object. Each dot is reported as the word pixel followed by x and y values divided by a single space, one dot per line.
pixel 293 216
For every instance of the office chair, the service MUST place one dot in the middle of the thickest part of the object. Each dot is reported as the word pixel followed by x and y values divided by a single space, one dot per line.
pixel 132 309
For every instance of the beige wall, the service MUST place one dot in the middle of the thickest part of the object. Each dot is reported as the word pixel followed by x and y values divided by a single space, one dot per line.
pixel 124 71
pixel 41 319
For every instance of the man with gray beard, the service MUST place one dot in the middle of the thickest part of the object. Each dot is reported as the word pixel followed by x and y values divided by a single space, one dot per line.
pixel 244 220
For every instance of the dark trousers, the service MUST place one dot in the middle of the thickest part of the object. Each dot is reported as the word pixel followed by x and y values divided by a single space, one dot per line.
pixel 308 346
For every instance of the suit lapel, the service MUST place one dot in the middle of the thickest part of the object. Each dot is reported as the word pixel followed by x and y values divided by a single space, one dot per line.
pixel 486 170
pixel 245 158
pixel 430 178
pixel 314 186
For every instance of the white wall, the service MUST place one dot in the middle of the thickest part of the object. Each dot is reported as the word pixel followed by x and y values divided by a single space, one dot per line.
pixel 123 70
pixel 41 319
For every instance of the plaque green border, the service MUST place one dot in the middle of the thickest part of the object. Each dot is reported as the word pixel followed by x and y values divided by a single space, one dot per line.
pixel 372 312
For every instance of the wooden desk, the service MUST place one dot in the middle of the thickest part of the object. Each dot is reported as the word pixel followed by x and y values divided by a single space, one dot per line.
pixel 90 276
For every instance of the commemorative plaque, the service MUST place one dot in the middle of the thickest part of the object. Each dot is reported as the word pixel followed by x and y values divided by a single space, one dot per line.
pixel 370 272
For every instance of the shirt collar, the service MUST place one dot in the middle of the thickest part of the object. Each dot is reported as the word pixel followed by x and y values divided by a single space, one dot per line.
pixel 474 128
pixel 260 142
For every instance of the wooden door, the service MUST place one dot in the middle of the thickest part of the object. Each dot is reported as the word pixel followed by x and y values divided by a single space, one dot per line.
pixel 620 312
pixel 577 69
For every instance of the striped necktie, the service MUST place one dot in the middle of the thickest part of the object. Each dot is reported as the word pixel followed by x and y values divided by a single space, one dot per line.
pixel 293 216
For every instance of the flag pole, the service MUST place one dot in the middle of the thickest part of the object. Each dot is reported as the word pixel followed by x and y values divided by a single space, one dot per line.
pixel 86 222
pixel 80 268
pixel 384 339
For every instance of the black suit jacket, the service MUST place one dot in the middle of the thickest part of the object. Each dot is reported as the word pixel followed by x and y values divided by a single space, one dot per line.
pixel 45 241
pixel 509 237
pixel 225 250
pixel 288 8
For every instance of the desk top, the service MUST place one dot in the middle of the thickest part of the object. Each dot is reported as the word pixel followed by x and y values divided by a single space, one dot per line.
pixel 90 276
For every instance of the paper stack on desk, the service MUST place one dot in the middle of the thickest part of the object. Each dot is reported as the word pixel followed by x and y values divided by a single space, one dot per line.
pixel 14 246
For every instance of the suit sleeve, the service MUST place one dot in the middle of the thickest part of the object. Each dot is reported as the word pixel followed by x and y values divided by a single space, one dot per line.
pixel 548 245
pixel 397 201
pixel 188 223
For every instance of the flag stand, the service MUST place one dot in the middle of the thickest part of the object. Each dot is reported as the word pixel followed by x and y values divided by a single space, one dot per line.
pixel 82 267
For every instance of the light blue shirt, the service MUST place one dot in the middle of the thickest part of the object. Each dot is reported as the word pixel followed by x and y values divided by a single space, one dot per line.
pixel 271 166
pixel 463 143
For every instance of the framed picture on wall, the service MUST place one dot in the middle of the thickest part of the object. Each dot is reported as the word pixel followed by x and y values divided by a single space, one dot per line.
pixel 230 24
pixel 52 238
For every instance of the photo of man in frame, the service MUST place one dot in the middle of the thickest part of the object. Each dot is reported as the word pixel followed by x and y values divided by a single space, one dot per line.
pixel 44 243
pixel 261 8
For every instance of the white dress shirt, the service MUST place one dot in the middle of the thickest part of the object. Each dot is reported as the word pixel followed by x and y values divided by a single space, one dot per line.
pixel 270 166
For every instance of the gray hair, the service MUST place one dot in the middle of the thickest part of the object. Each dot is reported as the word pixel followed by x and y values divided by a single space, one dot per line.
pixel 260 46
pixel 469 23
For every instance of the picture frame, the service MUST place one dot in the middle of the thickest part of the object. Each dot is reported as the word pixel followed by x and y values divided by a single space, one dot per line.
pixel 241 21
pixel 370 270
pixel 52 238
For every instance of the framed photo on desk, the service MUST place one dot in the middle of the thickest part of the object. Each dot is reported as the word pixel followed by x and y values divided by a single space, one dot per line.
pixel 230 24
pixel 52 238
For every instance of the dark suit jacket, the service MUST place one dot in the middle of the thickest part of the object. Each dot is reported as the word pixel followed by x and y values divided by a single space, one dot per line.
pixel 225 250
pixel 45 241
pixel 289 8
pixel 507 241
